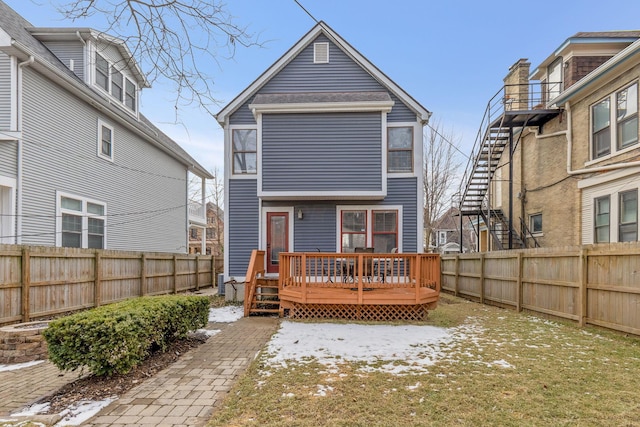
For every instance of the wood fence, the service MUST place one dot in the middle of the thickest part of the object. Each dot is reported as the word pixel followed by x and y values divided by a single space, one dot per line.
pixel 594 284
pixel 37 281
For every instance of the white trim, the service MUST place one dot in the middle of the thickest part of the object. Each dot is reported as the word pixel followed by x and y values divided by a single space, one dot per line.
pixel 316 54
pixel 229 156
pixel 13 119
pixel 369 209
pixel 262 242
pixel 607 177
pixel 101 124
pixel 85 215
pixel 227 175
pixel 321 28
pixel 322 194
pixel 322 107
pixel 416 155
pixel 8 219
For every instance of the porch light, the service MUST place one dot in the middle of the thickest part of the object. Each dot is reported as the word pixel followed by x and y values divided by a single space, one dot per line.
pixel 300 214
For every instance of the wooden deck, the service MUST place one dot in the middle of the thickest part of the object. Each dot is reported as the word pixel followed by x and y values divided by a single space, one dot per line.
pixel 357 286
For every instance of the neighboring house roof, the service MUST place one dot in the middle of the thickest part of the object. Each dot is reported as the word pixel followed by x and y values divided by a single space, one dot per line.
pixel 631 52
pixel 619 38
pixel 16 39
pixel 448 220
pixel 323 28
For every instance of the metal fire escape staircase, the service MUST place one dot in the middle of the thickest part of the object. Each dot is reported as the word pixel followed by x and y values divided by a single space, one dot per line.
pixel 513 108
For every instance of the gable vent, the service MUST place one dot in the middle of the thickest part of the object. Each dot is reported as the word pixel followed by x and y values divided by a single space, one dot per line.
pixel 321 53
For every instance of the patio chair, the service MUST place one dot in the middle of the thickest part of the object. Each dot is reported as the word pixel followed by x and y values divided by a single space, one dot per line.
pixel 367 264
pixel 390 265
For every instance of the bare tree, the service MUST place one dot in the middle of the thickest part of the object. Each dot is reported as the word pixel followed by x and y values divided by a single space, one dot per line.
pixel 216 196
pixel 440 175
pixel 174 39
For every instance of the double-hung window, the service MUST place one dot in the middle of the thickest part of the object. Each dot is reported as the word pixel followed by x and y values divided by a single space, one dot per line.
pixel 620 109
pixel 130 95
pixel 102 72
pixel 400 149
pixel 116 84
pixel 602 219
pixel 105 141
pixel 245 151
pixel 628 224
pixel 81 223
pixel 361 227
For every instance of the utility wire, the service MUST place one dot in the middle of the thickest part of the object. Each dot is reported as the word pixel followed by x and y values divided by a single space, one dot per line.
pixel 306 11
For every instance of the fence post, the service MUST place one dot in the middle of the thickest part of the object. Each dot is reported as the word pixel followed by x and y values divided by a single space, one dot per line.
pixel 457 276
pixel 584 280
pixel 197 273
pixel 175 274
pixel 482 278
pixel 26 282
pixel 97 280
pixel 519 283
pixel 214 275
pixel 143 275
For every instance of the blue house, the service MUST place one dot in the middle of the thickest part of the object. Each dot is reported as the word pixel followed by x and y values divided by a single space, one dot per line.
pixel 323 152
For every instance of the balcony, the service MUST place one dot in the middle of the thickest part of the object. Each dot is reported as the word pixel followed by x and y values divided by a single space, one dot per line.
pixel 197 214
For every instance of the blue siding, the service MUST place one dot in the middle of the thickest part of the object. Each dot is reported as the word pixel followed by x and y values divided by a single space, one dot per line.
pixel 317 230
pixel 404 191
pixel 243 224
pixel 330 151
pixel 323 151
pixel 243 115
pixel 400 112
pixel 341 74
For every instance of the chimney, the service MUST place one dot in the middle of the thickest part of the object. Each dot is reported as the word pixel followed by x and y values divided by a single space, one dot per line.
pixel 516 86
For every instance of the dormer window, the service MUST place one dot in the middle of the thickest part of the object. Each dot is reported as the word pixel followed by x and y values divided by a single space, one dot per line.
pixel 102 72
pixel 116 83
pixel 130 95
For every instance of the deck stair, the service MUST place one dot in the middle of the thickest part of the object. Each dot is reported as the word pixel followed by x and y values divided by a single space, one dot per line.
pixel 265 298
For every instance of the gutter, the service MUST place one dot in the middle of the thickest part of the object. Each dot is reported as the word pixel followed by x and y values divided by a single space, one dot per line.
pixel 103 105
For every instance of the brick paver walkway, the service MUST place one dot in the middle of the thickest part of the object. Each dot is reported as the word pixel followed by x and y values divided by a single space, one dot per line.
pixel 24 386
pixel 184 394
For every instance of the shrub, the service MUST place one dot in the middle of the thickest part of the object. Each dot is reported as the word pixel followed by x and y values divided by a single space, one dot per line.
pixel 114 338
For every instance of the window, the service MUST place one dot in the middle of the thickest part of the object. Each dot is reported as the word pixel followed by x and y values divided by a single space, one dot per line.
pixel 105 141
pixel 245 156
pixel 400 149
pixel 385 231
pixel 353 230
pixel 81 223
pixel 602 219
pixel 211 233
pixel 102 72
pixel 130 95
pixel 627 116
pixel 605 138
pixel 628 225
pixel 369 226
pixel 116 84
pixel 442 238
pixel 194 233
pixel 535 223
pixel 554 79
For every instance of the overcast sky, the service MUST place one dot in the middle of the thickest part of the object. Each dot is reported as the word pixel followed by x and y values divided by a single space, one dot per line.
pixel 451 56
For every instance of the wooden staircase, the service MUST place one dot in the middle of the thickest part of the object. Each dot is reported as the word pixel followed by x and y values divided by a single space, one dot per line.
pixel 261 295
pixel 265 298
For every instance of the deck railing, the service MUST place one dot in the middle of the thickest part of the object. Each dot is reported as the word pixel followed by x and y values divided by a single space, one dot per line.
pixel 254 270
pixel 355 278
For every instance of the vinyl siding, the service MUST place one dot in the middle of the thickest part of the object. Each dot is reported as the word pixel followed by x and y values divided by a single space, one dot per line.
pixel 404 191
pixel 341 74
pixel 328 151
pixel 144 189
pixel 317 229
pixel 612 189
pixel 243 115
pixel 400 112
pixel 8 158
pixel 69 50
pixel 5 92
pixel 244 218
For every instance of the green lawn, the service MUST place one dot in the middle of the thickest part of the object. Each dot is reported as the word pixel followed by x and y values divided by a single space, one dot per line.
pixel 503 368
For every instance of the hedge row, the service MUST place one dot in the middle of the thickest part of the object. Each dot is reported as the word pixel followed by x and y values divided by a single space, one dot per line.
pixel 114 338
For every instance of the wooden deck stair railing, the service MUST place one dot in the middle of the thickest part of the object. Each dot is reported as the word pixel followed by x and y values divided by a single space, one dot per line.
pixel 260 292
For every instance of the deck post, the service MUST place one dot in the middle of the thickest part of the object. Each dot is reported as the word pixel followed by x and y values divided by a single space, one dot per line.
pixel 304 277
pixel 418 276
pixel 360 265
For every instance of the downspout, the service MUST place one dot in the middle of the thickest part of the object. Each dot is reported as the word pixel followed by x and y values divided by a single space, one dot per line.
pixel 569 134
pixel 26 63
